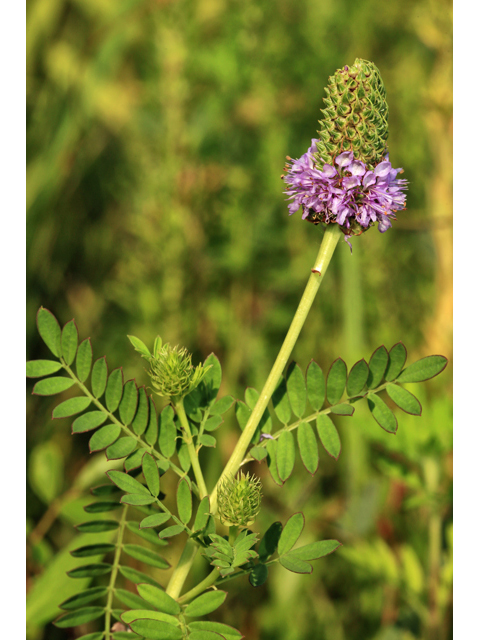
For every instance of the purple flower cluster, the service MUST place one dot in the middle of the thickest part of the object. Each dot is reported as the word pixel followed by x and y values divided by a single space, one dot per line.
pixel 347 194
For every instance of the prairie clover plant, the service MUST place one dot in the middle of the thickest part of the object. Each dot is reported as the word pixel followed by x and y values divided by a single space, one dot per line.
pixel 346 183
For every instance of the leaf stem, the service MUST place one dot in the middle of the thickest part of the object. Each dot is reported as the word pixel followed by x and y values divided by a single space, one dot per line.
pixel 209 581
pixel 113 575
pixel 329 242
pixel 192 452
pixel 182 569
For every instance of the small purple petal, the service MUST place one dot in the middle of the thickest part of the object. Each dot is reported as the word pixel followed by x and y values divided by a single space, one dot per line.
pixel 369 179
pixel 350 182
pixel 344 159
pixel 357 168
pixel 383 169
pixel 266 436
pixel 328 171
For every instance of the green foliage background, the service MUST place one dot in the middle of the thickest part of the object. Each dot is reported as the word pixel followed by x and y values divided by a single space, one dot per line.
pixel 157 132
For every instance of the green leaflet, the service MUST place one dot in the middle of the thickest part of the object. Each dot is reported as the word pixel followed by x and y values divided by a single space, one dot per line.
pixel 296 389
pixel 89 421
pixel 168 432
pixel 377 366
pixel 137 499
pixel 80 616
pixel 315 550
pixel 213 378
pixel 291 533
pixel 336 380
pixel 357 378
pixel 285 455
pixel 150 473
pixel 50 331
pixel 272 446
pixel 148 614
pixel 207 441
pixel 404 399
pixel 134 460
pixel 69 342
pixel 307 444
pixel 184 501
pixel 156 630
pixel 229 633
pixel 328 435
pixel 201 517
pixel 83 598
pixel 315 386
pixel 84 359
pixel 295 565
pixel 343 409
pixel 51 386
pixel 259 453
pixel 265 424
pixel 93 550
pixel 102 506
pixel 423 369
pixel 132 601
pixel 258 575
pixel 99 377
pixel 159 599
pixel 151 434
pixel 128 403
pixel 146 534
pixel 242 413
pixel 155 520
pixel 121 448
pixel 382 414
pixel 145 555
pixel 126 483
pixel 222 406
pixel 114 390
pixel 104 437
pixel 139 346
pixel 281 403
pixel 206 603
pixel 97 526
pixel 169 532
pixel 140 421
pixel 136 576
pixel 90 570
pixel 40 368
pixel 269 543
pixel 70 407
pixel 396 360
pixel 213 423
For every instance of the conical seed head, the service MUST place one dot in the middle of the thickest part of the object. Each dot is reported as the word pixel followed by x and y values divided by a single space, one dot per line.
pixel 355 115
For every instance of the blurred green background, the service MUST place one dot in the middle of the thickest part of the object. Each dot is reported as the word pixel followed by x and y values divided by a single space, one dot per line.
pixel 156 135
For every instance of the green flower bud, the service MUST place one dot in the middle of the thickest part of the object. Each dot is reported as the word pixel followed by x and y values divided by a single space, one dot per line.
pixel 239 500
pixel 172 372
pixel 355 117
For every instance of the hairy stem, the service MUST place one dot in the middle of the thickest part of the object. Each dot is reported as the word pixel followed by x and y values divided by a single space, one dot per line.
pixel 329 242
pixel 113 575
pixel 192 452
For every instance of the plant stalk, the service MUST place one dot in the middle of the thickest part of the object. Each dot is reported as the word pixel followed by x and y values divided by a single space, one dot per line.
pixel 329 242
pixel 191 448
pixel 182 569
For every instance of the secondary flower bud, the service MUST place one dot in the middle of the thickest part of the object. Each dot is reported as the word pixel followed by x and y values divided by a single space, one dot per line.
pixel 172 372
pixel 239 500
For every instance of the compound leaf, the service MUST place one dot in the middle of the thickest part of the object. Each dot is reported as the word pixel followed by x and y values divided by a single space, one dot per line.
pixel 168 432
pixel 70 407
pixel 382 414
pixel 50 331
pixel 307 444
pixel 377 366
pixel 296 389
pixel 99 377
pixel 291 533
pixel 404 399
pixel 281 403
pixel 140 421
pixel 357 378
pixel 40 368
pixel 206 603
pixel 184 501
pixel 315 386
pixel 84 359
pixel 159 599
pixel 285 455
pixel 328 435
pixel 397 357
pixel 89 421
pixel 113 393
pixel 52 386
pixel 423 369
pixel 336 380
pixel 69 342
pixel 128 403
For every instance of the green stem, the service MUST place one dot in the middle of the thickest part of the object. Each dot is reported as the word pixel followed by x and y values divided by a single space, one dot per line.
pixel 182 569
pixel 113 575
pixel 329 242
pixel 191 448
pixel 200 588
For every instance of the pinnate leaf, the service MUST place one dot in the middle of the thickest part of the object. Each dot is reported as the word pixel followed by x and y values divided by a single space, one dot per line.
pixel 52 386
pixel 328 435
pixel 155 520
pixel 382 414
pixel 128 403
pixel 49 330
pixel 404 399
pixel 139 346
pixel 423 369
pixel 229 633
pixel 295 565
pixel 83 598
pixel 97 526
pixel 168 432
pixel 101 507
pixel 201 517
pixel 213 423
pixel 71 407
pixel 137 499
pixel 307 444
pixel 343 409
pixel 150 473
pixel 222 405
pixel 151 434
pixel 99 377
pixel 132 601
pixel 259 453
pixel 206 603
pixel 258 575
pixel 93 549
pixel 296 389
pixel 269 543
pixel 145 555
pixel 169 532
pixel 156 630
pixel 140 421
pixel 315 386
pixel 377 366
pixel 213 378
pixel 396 360
pixel 336 380
pixel 207 441
pixel 357 378
pixel 126 483
pixel 272 446
pixel 40 368
pixel 136 576
pixel 291 533
pixel 315 550
pixel 121 448
pixel 90 570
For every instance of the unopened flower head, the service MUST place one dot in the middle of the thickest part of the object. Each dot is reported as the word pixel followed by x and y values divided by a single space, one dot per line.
pixel 239 500
pixel 172 372
pixel 346 177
